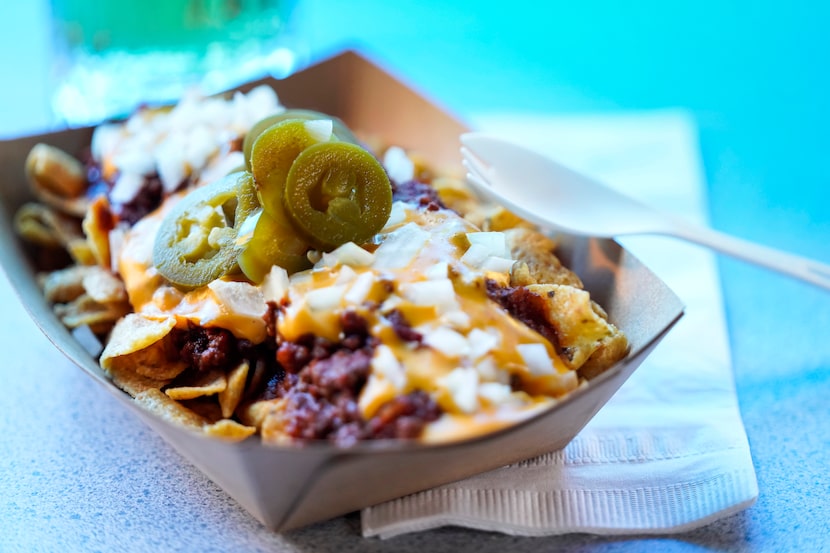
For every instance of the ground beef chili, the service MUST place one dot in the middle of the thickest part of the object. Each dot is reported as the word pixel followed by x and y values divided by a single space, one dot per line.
pixel 131 212
pixel 417 193
pixel 205 349
pixel 152 191
pixel 321 382
pixel 402 327
pixel 404 416
pixel 143 203
pixel 525 306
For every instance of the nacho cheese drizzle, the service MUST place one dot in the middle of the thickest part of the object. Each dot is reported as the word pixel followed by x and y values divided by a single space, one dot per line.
pixel 469 348
pixel 427 268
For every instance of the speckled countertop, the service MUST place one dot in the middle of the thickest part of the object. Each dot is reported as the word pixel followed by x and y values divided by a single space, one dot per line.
pixel 80 473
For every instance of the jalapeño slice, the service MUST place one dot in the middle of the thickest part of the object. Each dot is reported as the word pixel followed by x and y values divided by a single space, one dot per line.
pixel 274 242
pixel 337 192
pixel 197 240
pixel 273 153
pixel 340 130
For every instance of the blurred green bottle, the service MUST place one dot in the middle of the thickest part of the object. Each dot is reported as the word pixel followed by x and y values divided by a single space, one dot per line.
pixel 111 56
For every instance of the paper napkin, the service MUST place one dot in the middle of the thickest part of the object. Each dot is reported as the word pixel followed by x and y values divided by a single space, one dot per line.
pixel 669 452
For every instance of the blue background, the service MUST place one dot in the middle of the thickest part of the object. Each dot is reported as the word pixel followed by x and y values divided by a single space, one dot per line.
pixel 755 77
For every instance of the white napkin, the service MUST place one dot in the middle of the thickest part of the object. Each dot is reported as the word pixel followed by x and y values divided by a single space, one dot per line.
pixel 669 452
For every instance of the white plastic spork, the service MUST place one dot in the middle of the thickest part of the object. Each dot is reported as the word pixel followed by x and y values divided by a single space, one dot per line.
pixel 549 194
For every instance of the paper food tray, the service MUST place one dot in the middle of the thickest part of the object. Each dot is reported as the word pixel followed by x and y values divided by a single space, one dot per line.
pixel 287 487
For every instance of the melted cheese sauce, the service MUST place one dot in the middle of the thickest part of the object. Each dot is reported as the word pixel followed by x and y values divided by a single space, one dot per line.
pixel 471 349
pixel 472 352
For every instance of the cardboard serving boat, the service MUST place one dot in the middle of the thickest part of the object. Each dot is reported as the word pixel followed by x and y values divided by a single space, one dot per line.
pixel 289 486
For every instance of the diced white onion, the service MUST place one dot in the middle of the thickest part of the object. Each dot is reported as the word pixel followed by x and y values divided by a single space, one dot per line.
pixel 438 271
pixel 259 103
pixel 346 275
pixel 126 187
pixel 568 380
pixel 392 301
pixel 495 242
pixel 455 317
pixel 170 161
pixel 429 292
pixel 488 252
pixel 398 165
pixel 400 247
pixel 104 138
pixel 320 129
pixel 185 141
pixel 325 299
pixel 385 364
pixel 233 161
pixel 347 254
pixel 275 284
pixel 135 160
pixel 199 146
pixel 536 359
pixel 488 371
pixel 462 384
pixel 301 278
pixel 482 342
pixel 475 255
pixel 447 341
pixel 397 215
pixel 495 393
pixel 240 298
pixel 136 122
pixel 498 264
pixel 360 288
